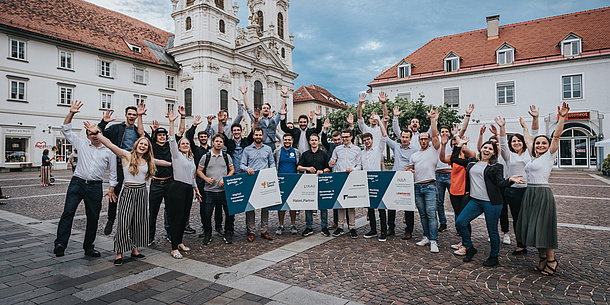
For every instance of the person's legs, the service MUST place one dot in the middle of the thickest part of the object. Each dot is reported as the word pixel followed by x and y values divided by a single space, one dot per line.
pixel 470 212
pixel 154 204
pixel 229 219
pixel 293 217
pixel 93 206
pixel 410 218
pixel 176 210
pixel 208 208
pixel 264 220
pixel 492 214
pixel 323 218
pixel 341 218
pixel 251 222
pixel 430 196
pixel 76 191
pixel 504 218
pixel 443 182
pixel 351 218
pixel 280 216
pixel 309 219
pixel 125 210
pixel 218 208
pixel 391 219
pixel 112 206
pixel 372 220
pixel 514 196
pixel 383 221
pixel 420 203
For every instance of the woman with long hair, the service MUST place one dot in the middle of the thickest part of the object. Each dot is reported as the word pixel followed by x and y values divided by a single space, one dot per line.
pixel 45 169
pixel 138 166
pixel 537 223
pixel 180 191
pixel 484 181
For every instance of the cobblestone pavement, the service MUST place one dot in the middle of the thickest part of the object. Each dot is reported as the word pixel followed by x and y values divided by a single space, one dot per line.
pixel 300 270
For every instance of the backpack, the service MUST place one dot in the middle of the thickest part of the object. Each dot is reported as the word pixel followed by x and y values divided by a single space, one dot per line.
pixel 208 156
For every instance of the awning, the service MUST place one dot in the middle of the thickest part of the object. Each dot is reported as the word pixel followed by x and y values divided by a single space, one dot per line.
pixel 603 143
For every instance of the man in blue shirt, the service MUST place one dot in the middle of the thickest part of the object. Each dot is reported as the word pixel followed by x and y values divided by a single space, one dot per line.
pixel 287 159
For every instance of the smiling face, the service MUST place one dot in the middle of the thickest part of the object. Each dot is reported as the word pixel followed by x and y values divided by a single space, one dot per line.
pixel 405 139
pixel 346 137
pixel 424 140
pixel 487 151
pixel 161 138
pixel 314 141
pixel 516 144
pixel 266 110
pixel 287 140
pixel 203 138
pixel 337 140
pixel 141 146
pixel 184 145
pixel 368 142
pixel 303 123
pixel 541 145
pixel 414 126
pixel 130 117
pixel 445 131
pixel 236 132
pixel 258 136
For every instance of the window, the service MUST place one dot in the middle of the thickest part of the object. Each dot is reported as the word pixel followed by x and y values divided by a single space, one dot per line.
pixel 260 22
pixel 224 100
pixel 572 86
pixel 16 149
pixel 18 88
pixel 452 97
pixel 280 25
pixel 283 53
pixel 506 93
pixel 65 60
pixel 190 2
pixel 505 55
pixel 452 62
pixel 220 4
pixel 188 102
pixel 258 95
pixel 188 23
pixel 221 26
pixel 139 98
pixel 170 105
pixel 17 49
pixel 65 95
pixel 106 101
pixel 404 95
pixel 64 149
pixel 171 82
pixel 139 76
pixel 404 69
pixel 106 68
pixel 136 49
pixel 571 45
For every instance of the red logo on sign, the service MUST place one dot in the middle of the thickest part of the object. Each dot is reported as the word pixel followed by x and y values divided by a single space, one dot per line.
pixel 41 145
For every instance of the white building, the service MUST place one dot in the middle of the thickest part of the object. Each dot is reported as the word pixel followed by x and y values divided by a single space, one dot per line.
pixel 505 69
pixel 60 51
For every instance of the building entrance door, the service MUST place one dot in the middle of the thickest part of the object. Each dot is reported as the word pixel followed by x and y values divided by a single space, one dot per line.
pixel 573 151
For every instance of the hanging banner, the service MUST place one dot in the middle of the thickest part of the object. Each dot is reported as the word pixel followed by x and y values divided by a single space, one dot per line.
pixel 343 190
pixel 299 192
pixel 391 190
pixel 251 192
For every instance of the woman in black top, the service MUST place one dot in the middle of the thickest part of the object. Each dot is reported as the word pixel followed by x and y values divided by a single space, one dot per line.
pixel 45 169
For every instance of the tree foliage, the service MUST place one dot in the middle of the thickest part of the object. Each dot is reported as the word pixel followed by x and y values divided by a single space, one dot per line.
pixel 409 110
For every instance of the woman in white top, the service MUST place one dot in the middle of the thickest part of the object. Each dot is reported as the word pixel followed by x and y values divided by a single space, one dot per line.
pixel 180 191
pixel 138 166
pixel 537 223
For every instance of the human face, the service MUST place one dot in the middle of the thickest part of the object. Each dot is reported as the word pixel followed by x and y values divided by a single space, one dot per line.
pixel 258 137
pixel 130 117
pixel 405 139
pixel 94 140
pixel 346 138
pixel 314 142
pixel 445 131
pixel 303 123
pixel 516 144
pixel 373 121
pixel 222 116
pixel 218 143
pixel 161 138
pixel 541 145
pixel 337 140
pixel 414 125
pixel 184 145
pixel 236 131
pixel 266 110
pixel 368 142
pixel 142 147
pixel 287 140
pixel 203 139
pixel 453 142
pixel 424 140
pixel 487 151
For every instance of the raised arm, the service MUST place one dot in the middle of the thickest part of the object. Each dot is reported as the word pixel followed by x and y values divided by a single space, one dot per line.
pixel 504 150
pixel 383 98
pixel 244 91
pixel 141 112
pixel 455 155
pixel 106 118
pixel 182 125
pixel 318 113
pixel 361 102
pixel 433 114
pixel 121 153
pixel 466 120
pixel 395 123
pixel 441 156
pixel 480 140
pixel 527 137
pixel 563 112
pixel 534 112
pixel 284 98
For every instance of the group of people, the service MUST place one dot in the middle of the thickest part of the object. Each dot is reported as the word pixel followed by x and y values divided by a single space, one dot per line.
pixel 503 172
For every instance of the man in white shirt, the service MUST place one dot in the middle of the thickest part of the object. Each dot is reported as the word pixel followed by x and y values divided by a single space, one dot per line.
pixel 86 184
pixel 346 158
pixel 423 165
pixel 374 128
pixel 413 127
pixel 371 160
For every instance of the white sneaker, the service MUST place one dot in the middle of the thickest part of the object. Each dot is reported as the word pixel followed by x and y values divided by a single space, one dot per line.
pixel 506 240
pixel 423 242
pixel 461 251
pixel 456 246
pixel 434 246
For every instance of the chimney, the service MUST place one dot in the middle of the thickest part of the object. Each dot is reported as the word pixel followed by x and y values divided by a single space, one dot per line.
pixel 492 26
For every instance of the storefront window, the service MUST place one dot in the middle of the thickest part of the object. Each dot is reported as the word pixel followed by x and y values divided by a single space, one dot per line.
pixel 16 149
pixel 64 149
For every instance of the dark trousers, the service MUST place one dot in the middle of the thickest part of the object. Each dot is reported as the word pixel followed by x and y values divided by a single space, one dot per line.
pixel 513 197
pixel 92 195
pixel 409 216
pixel 458 203
pixel 178 206
pixel 211 202
pixel 158 193
pixel 117 190
pixel 382 220
pixel 504 218
pixel 217 209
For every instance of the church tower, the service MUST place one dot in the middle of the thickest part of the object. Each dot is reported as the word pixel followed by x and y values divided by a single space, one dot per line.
pixel 205 20
pixel 269 22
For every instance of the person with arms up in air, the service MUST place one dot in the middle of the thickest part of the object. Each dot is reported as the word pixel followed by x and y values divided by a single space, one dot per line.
pixel 267 123
pixel 413 127
pixel 300 136
pixel 223 117
pixel 373 129
pixel 286 159
pixel 86 185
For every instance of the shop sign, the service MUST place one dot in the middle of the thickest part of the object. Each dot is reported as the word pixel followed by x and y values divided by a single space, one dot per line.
pixel 42 145
pixel 577 116
pixel 18 131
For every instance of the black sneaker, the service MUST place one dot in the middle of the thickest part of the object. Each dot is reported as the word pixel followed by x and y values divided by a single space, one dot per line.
pixel 202 234
pixel 59 250
pixel 108 228
pixel 370 234
pixel 228 238
pixel 307 232
pixel 207 238
pixel 470 252
pixel 189 230
pixel 325 232
pixel 353 234
pixel 491 261
pixel 220 231
pixel 167 237
pixel 442 227
pixel 151 242
pixel 382 237
pixel 338 232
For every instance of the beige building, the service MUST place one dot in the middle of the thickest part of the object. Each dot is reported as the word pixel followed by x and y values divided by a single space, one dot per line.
pixel 306 98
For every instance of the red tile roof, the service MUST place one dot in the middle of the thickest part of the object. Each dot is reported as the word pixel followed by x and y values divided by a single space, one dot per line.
pixel 534 41
pixel 318 94
pixel 85 24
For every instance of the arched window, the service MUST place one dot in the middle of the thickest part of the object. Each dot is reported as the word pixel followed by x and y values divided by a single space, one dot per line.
pixel 190 2
pixel 224 100
pixel 221 26
pixel 188 102
pixel 261 23
pixel 188 23
pixel 280 26
pixel 283 53
pixel 258 94
pixel 220 4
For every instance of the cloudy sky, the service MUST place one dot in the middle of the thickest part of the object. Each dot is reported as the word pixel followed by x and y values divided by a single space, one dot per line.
pixel 342 45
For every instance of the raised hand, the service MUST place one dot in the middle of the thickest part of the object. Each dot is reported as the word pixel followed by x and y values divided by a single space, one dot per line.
pixel 171 117
pixel 463 140
pixel 482 130
pixel 141 108
pixel 108 116
pixel 284 91
pixel 386 118
pixel 534 112
pixel 433 114
pixel 75 108
pixel 376 117
pixel 500 121
pixel 350 119
pixel 283 110
pixel 382 97
pixel 444 139
pixel 155 125
pixel 311 116
pixel 210 118
pixel 469 109
pixel 455 129
pixel 563 111
pixel 362 98
pixel 493 129
pixel 237 100
pixel 326 124
pixel 256 113
pixel 397 111
pixel 522 123
pixel 318 110
pixel 197 120
pixel 222 115
pixel 181 111
pixel 91 127
pixel 243 90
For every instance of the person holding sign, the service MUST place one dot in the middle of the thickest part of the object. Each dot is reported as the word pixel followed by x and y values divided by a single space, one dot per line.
pixel 256 157
pixel 287 158
pixel 313 161
pixel 371 160
pixel 402 153
pixel 423 165
pixel 346 158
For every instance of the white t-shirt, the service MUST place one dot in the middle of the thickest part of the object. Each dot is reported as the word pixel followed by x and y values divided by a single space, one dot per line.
pixel 440 165
pixel 424 164
pixel 477 181
pixel 539 169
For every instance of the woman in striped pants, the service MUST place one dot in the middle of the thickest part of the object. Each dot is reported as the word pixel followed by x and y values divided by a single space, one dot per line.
pixel 138 166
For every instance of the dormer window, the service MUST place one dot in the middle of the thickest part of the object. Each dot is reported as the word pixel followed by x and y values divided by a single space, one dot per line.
pixel 571 45
pixel 136 49
pixel 452 62
pixel 404 69
pixel 505 54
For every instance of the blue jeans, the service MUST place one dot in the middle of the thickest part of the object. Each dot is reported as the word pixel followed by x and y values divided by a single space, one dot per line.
pixel 323 219
pixel 425 200
pixel 473 209
pixel 443 182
